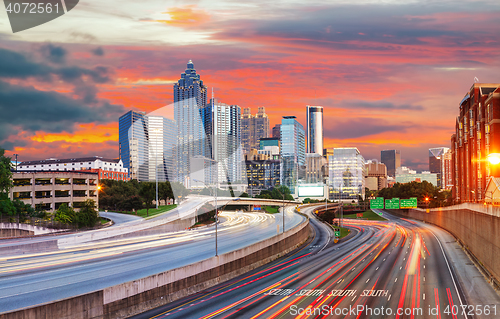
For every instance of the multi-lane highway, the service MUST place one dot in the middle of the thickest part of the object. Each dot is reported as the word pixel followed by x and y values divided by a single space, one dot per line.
pixel 36 278
pixel 392 269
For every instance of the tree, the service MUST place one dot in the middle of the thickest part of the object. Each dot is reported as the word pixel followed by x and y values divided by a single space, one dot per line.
pixel 165 191
pixel 5 173
pixel 148 194
pixel 180 192
pixel 88 214
pixel 65 214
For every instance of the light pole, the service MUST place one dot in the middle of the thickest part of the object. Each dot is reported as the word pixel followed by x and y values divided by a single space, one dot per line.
pixel 216 209
pixel 283 208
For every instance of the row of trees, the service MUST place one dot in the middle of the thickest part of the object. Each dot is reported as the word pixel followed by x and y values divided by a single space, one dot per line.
pixel 133 195
pixel 87 216
pixel 276 192
pixel 421 190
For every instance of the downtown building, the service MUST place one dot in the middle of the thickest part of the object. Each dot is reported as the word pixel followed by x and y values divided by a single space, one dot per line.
pixel 147 146
pixel 376 175
pixel 440 164
pixel 392 160
pixel 293 152
pixel 253 128
pixel 314 118
pixel 262 170
pixel 347 174
pixel 477 135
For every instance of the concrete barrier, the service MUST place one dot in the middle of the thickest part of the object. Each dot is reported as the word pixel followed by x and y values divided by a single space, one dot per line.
pixel 34 230
pixel 137 296
pixel 475 226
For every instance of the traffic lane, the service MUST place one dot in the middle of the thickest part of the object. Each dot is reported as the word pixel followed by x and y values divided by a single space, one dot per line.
pixel 119 218
pixel 306 271
pixel 61 280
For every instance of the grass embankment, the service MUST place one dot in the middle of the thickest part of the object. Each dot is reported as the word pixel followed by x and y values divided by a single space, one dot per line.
pixel 153 211
pixel 104 220
pixel 368 215
pixel 271 209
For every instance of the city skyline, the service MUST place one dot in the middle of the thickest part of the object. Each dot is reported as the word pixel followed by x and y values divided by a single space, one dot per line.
pixel 395 80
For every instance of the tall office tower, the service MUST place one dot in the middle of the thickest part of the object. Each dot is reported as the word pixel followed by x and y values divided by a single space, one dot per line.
pixel 293 152
pixel 391 159
pixel 477 135
pixel 276 131
pixel 261 126
pixel 227 147
pixel 439 163
pixel 253 128
pixel 247 130
pixel 347 174
pixel 147 146
pixel 190 100
pixel 133 144
pixel 314 117
pixel 376 175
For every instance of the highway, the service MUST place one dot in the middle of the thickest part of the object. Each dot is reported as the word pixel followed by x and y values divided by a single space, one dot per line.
pixel 389 269
pixel 28 279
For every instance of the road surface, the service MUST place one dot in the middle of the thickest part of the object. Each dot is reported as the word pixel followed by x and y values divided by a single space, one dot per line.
pixel 392 269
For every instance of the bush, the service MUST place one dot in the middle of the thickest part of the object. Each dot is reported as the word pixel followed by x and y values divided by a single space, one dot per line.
pixel 88 214
pixel 65 214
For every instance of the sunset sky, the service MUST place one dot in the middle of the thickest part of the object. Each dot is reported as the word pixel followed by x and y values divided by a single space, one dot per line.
pixel 390 74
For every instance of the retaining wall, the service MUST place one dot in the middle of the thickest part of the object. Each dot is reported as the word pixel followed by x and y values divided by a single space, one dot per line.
pixel 477 228
pixel 137 296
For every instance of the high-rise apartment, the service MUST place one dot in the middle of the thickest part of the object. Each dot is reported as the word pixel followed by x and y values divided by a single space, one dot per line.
pixel 253 128
pixel 477 135
pixel 293 150
pixel 392 160
pixel 314 117
pixel 347 174
pixel 190 100
pixel 440 164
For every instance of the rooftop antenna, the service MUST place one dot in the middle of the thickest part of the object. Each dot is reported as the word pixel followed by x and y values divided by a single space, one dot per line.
pixel 476 80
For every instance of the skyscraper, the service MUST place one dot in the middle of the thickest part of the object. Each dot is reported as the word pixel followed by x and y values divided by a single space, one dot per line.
pixel 440 164
pixel 253 128
pixel 190 100
pixel 276 131
pixel 147 146
pixel 347 174
pixel 293 149
pixel 391 159
pixel 314 115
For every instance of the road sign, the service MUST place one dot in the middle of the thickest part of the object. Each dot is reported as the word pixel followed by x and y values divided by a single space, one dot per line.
pixel 377 203
pixel 359 214
pixel 337 233
pixel 335 240
pixel 256 207
pixel 408 203
pixel 392 203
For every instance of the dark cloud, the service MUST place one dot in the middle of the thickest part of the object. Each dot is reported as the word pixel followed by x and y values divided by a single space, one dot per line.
pixel 31 110
pixel 383 105
pixel 53 53
pixel 355 128
pixel 99 51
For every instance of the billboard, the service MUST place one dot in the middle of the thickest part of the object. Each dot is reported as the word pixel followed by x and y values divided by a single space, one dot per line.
pixel 311 191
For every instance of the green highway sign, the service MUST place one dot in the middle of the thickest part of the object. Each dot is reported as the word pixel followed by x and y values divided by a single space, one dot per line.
pixel 337 233
pixel 408 203
pixel 392 203
pixel 377 203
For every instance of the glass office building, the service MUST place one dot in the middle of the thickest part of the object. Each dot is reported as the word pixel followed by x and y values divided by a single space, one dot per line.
pixel 293 152
pixel 314 118
pixel 347 174
pixel 392 160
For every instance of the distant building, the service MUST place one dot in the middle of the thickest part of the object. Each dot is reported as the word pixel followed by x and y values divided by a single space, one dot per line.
pixel 133 144
pixel 253 128
pixel 376 177
pixel 392 160
pixel 417 177
pixel 314 118
pixel 269 141
pixel 105 168
pixel 48 190
pixel 347 174
pixel 293 150
pixel 276 131
pixel 315 169
pixel 477 135
pixel 263 172
pixel 440 164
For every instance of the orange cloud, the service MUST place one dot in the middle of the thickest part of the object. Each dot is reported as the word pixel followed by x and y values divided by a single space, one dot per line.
pixel 186 16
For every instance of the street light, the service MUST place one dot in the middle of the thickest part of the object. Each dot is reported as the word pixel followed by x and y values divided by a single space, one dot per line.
pixel 216 210
pixel 283 208
pixel 494 158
